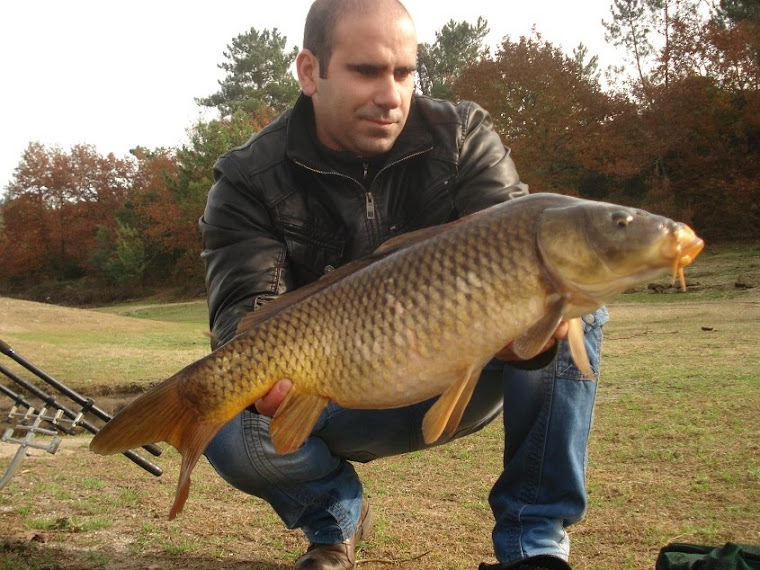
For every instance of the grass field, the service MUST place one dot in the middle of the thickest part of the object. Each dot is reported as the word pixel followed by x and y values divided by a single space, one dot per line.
pixel 674 454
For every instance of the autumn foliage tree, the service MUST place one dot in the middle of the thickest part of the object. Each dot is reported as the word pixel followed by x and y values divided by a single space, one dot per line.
pixel 546 106
pixel 678 134
pixel 698 123
pixel 134 221
pixel 168 196
pixel 54 207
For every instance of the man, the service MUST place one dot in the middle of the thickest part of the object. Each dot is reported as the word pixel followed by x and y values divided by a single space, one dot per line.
pixel 360 159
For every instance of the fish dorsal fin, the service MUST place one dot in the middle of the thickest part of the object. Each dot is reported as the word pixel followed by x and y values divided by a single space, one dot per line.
pixel 446 413
pixel 290 298
pixel 532 341
pixel 408 239
pixel 295 419
pixel 577 342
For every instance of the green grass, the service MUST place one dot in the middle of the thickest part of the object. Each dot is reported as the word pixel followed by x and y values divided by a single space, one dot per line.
pixel 712 277
pixel 193 312
pixel 120 349
pixel 673 454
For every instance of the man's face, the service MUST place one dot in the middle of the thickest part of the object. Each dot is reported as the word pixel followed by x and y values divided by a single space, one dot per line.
pixel 363 103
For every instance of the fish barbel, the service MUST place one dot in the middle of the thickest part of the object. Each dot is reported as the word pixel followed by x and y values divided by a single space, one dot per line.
pixel 417 319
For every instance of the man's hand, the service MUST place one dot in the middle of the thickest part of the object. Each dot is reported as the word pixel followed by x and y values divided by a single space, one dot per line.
pixel 507 354
pixel 268 405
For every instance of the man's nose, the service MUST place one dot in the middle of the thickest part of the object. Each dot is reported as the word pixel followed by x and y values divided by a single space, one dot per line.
pixel 388 94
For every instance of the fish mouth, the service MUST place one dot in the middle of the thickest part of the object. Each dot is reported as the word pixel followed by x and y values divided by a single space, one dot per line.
pixel 687 247
pixel 664 245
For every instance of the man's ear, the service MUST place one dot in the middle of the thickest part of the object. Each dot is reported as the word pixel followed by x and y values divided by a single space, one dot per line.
pixel 307 66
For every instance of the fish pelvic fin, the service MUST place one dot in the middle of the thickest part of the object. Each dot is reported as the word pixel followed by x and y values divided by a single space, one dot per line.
pixel 577 343
pixel 294 420
pixel 162 414
pixel 533 341
pixel 446 413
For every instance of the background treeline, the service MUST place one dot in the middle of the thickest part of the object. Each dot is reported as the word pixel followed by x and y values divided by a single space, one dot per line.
pixel 675 130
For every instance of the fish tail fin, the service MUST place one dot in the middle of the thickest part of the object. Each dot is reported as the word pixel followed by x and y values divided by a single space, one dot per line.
pixel 163 413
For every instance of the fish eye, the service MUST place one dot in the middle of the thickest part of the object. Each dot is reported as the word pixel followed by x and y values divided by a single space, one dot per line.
pixel 621 219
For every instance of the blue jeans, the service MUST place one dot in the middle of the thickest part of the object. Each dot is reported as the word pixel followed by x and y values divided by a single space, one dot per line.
pixel 547 419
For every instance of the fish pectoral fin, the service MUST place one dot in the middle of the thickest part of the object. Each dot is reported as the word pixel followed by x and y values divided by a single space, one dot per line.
pixel 577 342
pixel 295 419
pixel 532 341
pixel 446 413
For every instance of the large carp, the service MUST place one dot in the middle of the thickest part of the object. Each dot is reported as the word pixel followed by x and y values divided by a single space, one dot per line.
pixel 418 318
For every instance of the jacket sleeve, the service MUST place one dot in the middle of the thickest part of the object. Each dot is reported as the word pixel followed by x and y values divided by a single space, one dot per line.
pixel 244 257
pixel 487 174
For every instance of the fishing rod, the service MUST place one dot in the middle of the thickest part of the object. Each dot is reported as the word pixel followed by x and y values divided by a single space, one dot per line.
pixel 18 399
pixel 48 400
pixel 78 417
pixel 87 403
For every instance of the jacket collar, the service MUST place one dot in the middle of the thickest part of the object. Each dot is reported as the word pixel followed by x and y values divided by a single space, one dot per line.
pixel 414 139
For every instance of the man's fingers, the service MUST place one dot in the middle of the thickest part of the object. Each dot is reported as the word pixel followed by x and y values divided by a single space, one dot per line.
pixel 267 405
pixel 508 355
pixel 562 330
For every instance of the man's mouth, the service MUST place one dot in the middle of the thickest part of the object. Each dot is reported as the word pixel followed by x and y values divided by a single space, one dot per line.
pixel 382 119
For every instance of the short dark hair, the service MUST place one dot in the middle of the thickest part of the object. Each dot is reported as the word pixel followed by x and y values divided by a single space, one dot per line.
pixel 321 21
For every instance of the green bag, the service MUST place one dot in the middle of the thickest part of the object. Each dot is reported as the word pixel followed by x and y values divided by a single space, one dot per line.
pixel 731 556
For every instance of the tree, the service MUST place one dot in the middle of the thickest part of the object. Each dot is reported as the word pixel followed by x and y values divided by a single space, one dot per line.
pixel 258 75
pixel 700 149
pixel 120 257
pixel 590 68
pixel 732 45
pixel 647 29
pixel 631 27
pixel 457 45
pixel 55 202
pixel 545 107
pixel 739 11
pixel 153 213
pixel 195 161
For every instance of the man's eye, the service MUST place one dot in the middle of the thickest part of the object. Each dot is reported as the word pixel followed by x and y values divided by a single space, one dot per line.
pixel 367 70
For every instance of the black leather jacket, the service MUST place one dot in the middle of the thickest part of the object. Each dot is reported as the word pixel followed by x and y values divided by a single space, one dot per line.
pixel 283 210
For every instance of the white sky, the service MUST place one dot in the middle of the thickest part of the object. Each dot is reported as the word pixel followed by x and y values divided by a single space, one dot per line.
pixel 119 74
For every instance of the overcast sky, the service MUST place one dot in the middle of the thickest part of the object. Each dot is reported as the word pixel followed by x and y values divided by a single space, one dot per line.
pixel 119 74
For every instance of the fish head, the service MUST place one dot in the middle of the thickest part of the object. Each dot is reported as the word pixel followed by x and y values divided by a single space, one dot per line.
pixel 595 250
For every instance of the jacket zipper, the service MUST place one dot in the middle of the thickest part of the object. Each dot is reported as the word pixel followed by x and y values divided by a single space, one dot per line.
pixel 369 198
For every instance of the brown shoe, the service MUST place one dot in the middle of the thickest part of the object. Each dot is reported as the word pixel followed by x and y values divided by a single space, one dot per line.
pixel 341 555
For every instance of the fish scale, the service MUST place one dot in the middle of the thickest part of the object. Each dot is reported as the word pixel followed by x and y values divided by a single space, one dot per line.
pixel 356 311
pixel 418 319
